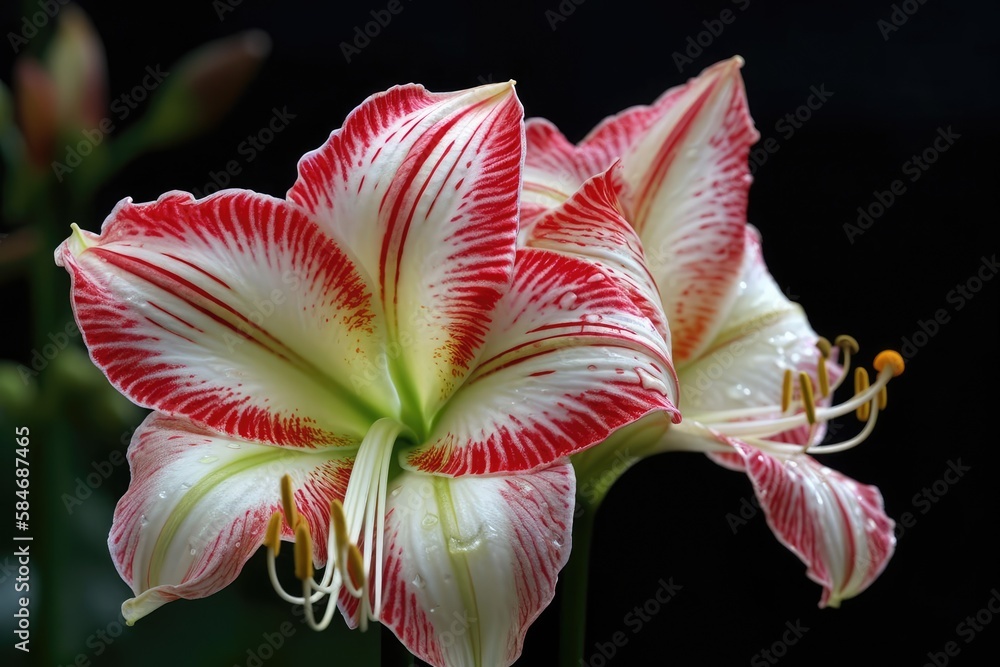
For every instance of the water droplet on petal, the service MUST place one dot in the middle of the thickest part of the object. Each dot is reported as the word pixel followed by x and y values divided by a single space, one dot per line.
pixel 162 494
pixel 591 367
pixel 567 301
pixel 591 318
pixel 462 545
pixel 418 581
pixel 233 445
pixel 143 520
pixel 395 492
pixel 432 609
pixel 194 551
pixel 429 520
pixel 185 486
pixel 208 459
pixel 596 278
pixel 651 383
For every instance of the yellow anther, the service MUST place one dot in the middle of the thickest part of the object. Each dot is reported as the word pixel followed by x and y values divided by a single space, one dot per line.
pixel 339 523
pixel 883 398
pixel 786 390
pixel 860 386
pixel 847 342
pixel 288 502
pixel 303 552
pixel 806 387
pixel 355 566
pixel 824 379
pixel 272 538
pixel 824 347
pixel 892 358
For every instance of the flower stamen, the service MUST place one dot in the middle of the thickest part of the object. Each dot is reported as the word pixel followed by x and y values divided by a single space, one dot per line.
pixel 758 426
pixel 359 519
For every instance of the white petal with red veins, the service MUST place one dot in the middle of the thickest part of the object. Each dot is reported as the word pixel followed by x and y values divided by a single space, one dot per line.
pixel 590 225
pixel 688 178
pixel 198 506
pixel 570 359
pixel 235 311
pixel 423 188
pixel 471 562
pixel 835 525
pixel 763 335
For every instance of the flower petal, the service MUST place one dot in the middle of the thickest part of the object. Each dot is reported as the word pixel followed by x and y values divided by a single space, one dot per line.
pixel 835 525
pixel 688 179
pixel 471 562
pixel 763 335
pixel 554 168
pixel 570 359
pixel 590 225
pixel 423 188
pixel 198 506
pixel 235 311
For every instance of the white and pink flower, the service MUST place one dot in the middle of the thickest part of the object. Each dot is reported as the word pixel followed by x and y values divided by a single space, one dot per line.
pixel 378 341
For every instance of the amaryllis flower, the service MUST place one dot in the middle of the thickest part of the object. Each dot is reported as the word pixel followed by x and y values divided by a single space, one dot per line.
pixel 672 180
pixel 370 367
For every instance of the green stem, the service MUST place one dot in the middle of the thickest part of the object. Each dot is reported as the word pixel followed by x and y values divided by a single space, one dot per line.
pixel 573 589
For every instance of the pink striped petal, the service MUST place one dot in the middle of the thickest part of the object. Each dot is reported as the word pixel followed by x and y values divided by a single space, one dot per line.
pixel 763 334
pixel 570 359
pixel 590 225
pixel 471 562
pixel 835 525
pixel 198 506
pixel 554 168
pixel 688 178
pixel 423 188
pixel 235 311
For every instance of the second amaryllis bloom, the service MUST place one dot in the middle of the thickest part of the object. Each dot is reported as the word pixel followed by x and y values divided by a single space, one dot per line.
pixel 670 181
pixel 370 367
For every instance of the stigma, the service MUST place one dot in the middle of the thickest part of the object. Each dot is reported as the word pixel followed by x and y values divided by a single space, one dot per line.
pixel 804 405
pixel 358 520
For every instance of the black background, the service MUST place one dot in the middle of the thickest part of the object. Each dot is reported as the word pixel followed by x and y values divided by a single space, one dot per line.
pixel 667 517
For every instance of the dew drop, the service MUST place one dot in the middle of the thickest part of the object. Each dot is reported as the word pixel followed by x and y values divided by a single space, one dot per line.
pixel 651 383
pixel 596 278
pixel 185 486
pixel 429 520
pixel 463 545
pixel 591 367
pixel 162 494
pixel 194 551
pixel 208 459
pixel 567 301
pixel 143 521
pixel 233 445
pixel 395 492
pixel 591 318
pixel 418 581
pixel 432 609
